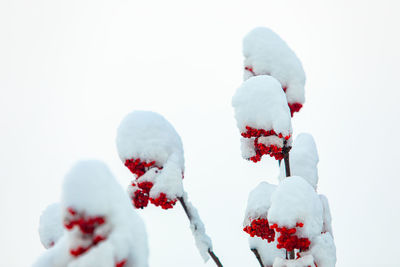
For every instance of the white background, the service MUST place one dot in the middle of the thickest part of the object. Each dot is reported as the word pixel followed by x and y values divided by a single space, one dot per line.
pixel 70 70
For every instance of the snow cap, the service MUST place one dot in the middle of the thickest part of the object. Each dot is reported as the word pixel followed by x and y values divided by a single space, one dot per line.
pixel 50 225
pixel 303 159
pixel 148 136
pixel 261 104
pixel 91 188
pixel 267 54
pixel 295 201
pixel 259 202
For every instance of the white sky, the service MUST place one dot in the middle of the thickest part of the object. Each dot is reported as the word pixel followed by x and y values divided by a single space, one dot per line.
pixel 70 70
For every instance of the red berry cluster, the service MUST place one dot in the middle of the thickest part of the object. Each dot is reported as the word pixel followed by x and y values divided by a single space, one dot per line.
pixel 120 264
pixel 141 196
pixel 250 69
pixel 295 107
pixel 138 167
pixel 163 201
pixel 288 240
pixel 260 228
pixel 261 149
pixel 87 226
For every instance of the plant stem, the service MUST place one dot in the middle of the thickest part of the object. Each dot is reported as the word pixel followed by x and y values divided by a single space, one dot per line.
pixel 255 251
pixel 190 216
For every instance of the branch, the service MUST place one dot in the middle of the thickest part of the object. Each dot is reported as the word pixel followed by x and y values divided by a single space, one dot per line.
pixel 289 254
pixel 198 228
pixel 255 251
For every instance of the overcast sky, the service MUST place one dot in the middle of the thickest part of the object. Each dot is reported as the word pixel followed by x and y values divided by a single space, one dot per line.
pixel 70 70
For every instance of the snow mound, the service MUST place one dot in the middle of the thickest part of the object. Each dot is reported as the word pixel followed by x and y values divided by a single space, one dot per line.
pixel 259 202
pixel 293 202
pixel 102 228
pixel 50 225
pixel 267 54
pixel 323 250
pixel 303 159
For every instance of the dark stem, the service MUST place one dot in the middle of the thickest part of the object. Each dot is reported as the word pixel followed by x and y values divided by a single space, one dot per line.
pixel 286 159
pixel 255 251
pixel 189 215
pixel 291 255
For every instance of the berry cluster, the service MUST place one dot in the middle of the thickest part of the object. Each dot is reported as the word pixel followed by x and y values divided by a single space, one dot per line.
pixel 261 149
pixel 87 226
pixel 260 227
pixel 120 264
pixel 141 196
pixel 288 240
pixel 138 167
pixel 163 201
pixel 295 107
pixel 250 69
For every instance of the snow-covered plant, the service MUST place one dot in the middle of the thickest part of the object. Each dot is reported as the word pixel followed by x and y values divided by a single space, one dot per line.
pixel 256 218
pixel 102 229
pixel 263 118
pixel 50 225
pixel 152 150
pixel 289 224
pixel 267 54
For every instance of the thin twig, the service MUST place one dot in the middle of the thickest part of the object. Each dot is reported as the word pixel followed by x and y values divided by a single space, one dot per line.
pixel 189 215
pixel 255 251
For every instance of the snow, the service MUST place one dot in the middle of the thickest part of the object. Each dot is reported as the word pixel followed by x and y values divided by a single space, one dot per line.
pixel 327 227
pixel 261 104
pixel 91 191
pixel 50 225
pixel 202 240
pixel 247 147
pixel 306 261
pixel 259 202
pixel 295 201
pixel 267 54
pixel 303 159
pixel 323 249
pixel 148 136
pixel 268 251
